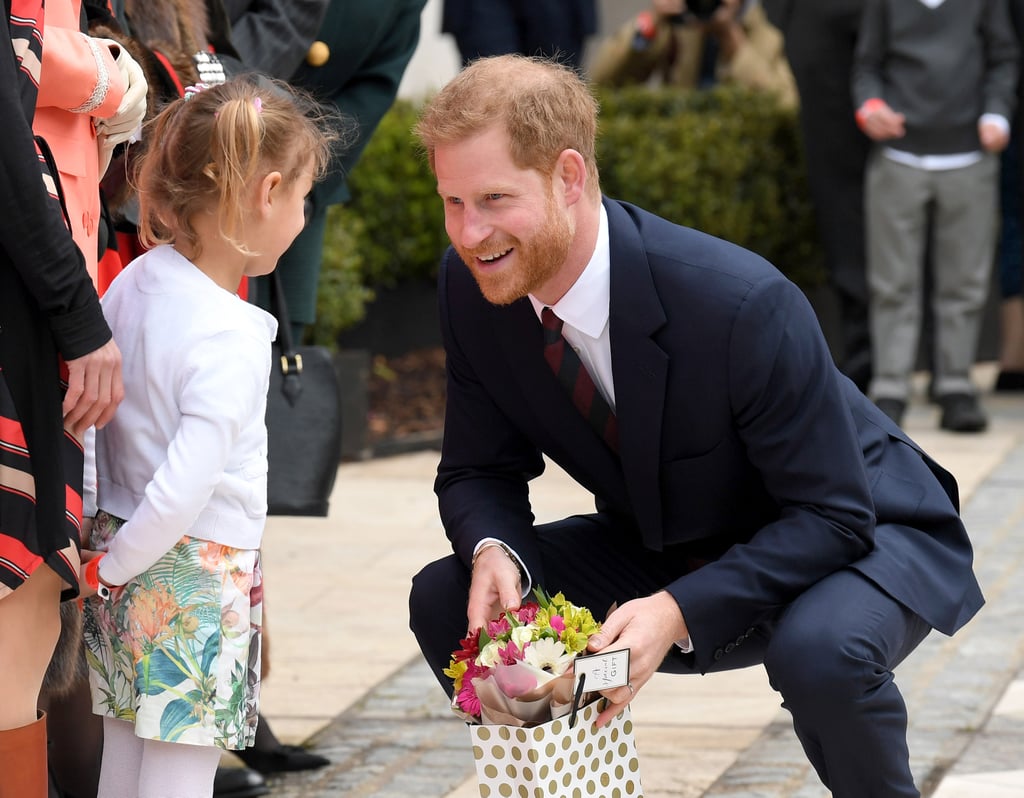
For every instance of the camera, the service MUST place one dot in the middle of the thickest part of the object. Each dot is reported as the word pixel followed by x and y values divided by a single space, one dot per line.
pixel 702 10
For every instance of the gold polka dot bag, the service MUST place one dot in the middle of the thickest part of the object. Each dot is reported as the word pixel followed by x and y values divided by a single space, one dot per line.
pixel 532 736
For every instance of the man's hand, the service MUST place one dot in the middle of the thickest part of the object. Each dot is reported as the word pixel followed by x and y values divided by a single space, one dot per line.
pixel 994 137
pixel 725 26
pixel 879 122
pixel 647 627
pixel 94 388
pixel 495 586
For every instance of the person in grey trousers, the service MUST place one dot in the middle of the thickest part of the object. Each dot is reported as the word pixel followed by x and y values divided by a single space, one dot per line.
pixel 934 84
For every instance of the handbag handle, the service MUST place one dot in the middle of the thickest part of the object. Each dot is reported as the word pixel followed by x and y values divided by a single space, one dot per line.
pixel 290 361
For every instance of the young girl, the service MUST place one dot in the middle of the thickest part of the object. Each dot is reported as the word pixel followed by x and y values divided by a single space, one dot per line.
pixel 174 647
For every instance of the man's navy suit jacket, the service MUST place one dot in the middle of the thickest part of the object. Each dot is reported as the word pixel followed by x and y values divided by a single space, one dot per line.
pixel 739 439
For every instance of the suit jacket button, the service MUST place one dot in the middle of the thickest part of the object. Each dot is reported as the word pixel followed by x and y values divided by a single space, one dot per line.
pixel 729 647
pixel 719 654
pixel 319 54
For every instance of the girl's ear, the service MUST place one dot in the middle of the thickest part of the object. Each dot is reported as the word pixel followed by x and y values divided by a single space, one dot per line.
pixel 267 195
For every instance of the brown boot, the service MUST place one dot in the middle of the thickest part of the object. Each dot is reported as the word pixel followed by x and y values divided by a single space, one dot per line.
pixel 23 761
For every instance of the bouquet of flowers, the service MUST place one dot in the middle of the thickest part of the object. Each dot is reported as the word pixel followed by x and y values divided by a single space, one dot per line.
pixel 516 670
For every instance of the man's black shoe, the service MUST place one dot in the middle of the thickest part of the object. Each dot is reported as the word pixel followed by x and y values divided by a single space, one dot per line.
pixel 961 412
pixel 238 783
pixel 281 758
pixel 893 408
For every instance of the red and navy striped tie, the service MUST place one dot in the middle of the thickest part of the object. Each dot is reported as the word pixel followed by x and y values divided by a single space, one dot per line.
pixel 577 380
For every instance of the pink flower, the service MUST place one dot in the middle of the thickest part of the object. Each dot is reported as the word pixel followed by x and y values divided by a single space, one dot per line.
pixel 558 623
pixel 467 699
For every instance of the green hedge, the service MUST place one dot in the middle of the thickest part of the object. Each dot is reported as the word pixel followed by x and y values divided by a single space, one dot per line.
pixel 726 161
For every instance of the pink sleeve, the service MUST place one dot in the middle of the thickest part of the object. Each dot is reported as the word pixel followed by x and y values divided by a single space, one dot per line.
pixel 79 74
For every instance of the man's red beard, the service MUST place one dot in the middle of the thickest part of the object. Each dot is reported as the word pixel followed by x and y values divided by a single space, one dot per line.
pixel 534 261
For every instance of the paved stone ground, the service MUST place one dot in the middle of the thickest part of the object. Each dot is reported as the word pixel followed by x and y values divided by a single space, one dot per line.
pixel 951 684
pixel 401 739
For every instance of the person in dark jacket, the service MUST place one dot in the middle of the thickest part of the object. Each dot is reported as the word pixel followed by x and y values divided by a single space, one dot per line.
pixel 552 28
pixel 752 507
pixel 59 375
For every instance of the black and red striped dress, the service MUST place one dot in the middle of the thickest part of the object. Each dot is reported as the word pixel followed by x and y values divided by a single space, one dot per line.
pixel 49 313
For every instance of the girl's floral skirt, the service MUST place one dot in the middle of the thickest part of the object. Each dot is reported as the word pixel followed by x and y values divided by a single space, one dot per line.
pixel 176 651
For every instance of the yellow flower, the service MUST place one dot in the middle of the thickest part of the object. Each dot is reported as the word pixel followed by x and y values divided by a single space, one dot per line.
pixel 455 671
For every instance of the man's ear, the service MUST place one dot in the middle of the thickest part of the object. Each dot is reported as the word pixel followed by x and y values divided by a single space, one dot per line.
pixel 570 176
pixel 267 191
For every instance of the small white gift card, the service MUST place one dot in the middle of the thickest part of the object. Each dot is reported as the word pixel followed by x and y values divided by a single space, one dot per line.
pixel 603 671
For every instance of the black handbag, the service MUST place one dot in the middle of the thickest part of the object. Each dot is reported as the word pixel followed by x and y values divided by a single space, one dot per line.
pixel 303 421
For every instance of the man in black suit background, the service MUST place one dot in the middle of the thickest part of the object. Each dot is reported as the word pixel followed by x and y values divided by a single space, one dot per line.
pixel 552 28
pixel 820 41
pixel 753 508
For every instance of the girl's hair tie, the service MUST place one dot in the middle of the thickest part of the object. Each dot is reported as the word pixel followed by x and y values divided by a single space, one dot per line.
pixel 191 91
pixel 259 104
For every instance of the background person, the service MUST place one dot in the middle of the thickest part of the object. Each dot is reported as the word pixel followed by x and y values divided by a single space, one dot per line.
pixel 552 28
pixel 820 39
pixel 935 88
pixel 60 373
pixel 354 65
pixel 736 44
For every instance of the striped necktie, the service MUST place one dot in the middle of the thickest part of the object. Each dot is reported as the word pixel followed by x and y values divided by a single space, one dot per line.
pixel 576 380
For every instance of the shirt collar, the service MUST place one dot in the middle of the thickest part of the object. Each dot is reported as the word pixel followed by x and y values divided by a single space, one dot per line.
pixel 585 305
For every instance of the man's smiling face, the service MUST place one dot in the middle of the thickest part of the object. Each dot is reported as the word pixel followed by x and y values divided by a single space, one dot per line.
pixel 506 222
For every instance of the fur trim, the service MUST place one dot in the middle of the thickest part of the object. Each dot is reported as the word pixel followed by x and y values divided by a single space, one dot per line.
pixel 67 665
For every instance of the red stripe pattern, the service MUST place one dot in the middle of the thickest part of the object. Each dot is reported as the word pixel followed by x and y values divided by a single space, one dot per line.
pixel 20 551
pixel 566 365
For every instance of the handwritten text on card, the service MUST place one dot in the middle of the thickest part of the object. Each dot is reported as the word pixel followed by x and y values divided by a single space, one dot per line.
pixel 605 670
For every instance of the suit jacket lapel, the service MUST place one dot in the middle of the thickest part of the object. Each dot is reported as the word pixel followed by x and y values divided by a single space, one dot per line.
pixel 640 369
pixel 519 334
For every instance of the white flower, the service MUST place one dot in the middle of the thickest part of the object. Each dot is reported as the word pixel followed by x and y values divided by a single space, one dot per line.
pixel 521 635
pixel 489 655
pixel 548 655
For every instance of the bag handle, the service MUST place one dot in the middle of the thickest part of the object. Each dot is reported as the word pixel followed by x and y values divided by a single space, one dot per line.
pixel 290 362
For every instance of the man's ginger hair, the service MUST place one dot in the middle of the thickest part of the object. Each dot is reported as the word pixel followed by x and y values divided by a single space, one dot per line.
pixel 545 107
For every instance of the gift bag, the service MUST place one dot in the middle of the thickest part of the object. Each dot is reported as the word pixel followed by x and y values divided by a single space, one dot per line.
pixel 303 422
pixel 556 760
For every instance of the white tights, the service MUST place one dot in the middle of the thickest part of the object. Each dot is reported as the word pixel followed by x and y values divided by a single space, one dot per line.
pixel 136 768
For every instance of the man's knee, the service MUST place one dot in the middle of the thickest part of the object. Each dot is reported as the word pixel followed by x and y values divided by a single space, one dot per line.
pixel 818 665
pixel 437 599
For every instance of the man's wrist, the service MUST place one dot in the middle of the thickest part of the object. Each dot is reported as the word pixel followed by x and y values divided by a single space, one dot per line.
pixel 492 543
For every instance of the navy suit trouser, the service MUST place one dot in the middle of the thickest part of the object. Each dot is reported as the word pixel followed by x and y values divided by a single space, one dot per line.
pixel 830 653
pixel 498 27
